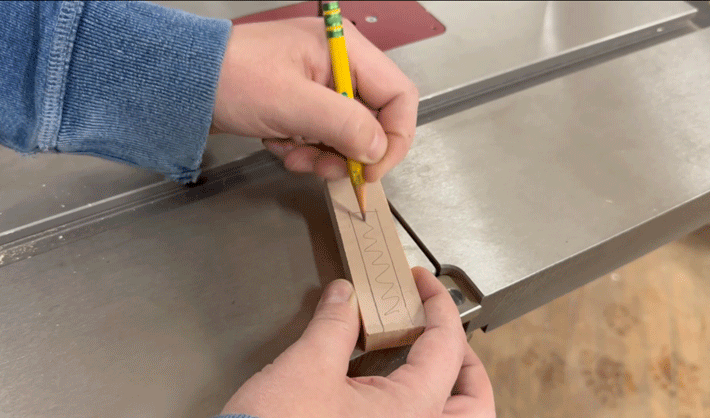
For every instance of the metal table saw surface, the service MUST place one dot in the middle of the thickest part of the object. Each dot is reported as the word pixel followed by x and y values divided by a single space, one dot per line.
pixel 542 40
pixel 147 299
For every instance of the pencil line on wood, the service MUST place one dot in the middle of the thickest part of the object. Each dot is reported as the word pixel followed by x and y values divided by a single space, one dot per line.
pixel 364 265
pixel 399 284
pixel 378 254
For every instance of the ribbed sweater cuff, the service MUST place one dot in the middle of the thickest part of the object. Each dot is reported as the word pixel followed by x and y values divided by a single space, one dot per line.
pixel 133 82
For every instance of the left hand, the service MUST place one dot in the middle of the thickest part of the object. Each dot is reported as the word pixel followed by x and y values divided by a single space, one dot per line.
pixel 443 377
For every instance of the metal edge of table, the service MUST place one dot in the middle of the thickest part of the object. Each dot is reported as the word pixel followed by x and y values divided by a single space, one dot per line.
pixel 434 104
pixel 579 269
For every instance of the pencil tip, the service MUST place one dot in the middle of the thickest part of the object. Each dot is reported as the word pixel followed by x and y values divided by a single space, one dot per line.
pixel 364 218
pixel 360 194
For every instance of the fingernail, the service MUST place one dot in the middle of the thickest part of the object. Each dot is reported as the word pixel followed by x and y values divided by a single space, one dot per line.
pixel 279 148
pixel 377 147
pixel 300 165
pixel 334 173
pixel 337 292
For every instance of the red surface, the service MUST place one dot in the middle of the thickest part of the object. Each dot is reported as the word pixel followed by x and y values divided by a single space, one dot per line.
pixel 398 22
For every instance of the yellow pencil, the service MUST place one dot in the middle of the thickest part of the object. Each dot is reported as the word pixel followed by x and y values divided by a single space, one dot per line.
pixel 343 83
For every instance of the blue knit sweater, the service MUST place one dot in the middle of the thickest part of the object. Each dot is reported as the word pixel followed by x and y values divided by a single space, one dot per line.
pixel 127 81
pixel 131 82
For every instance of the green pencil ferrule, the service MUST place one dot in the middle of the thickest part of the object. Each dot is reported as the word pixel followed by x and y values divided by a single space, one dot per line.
pixel 331 5
pixel 333 20
pixel 335 34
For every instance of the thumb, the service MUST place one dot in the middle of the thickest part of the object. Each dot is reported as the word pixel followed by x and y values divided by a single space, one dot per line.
pixel 319 113
pixel 331 335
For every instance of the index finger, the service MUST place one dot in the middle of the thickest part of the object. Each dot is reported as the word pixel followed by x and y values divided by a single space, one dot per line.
pixel 473 393
pixel 434 362
pixel 384 87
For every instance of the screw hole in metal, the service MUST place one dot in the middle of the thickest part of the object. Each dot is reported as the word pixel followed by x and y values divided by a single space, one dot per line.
pixel 457 296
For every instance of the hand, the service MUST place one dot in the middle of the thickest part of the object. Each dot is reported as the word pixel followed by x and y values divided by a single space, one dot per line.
pixel 276 82
pixel 309 378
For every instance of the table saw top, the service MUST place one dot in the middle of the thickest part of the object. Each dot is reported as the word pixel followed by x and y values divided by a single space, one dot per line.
pixel 530 194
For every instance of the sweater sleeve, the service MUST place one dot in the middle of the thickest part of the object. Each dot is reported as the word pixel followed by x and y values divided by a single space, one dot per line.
pixel 132 82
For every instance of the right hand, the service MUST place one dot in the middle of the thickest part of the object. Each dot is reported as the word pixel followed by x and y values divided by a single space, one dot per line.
pixel 276 82
pixel 443 377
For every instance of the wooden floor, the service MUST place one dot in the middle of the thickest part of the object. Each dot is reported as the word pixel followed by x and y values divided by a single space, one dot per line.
pixel 634 343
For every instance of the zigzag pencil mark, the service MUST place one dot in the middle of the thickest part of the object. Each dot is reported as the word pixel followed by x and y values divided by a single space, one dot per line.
pixel 378 254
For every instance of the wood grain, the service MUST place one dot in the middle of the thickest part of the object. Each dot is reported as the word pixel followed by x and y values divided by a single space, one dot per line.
pixel 634 343
pixel 391 310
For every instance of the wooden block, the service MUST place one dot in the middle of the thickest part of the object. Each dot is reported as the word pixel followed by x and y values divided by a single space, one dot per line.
pixel 373 257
